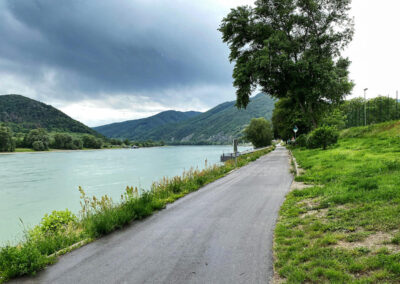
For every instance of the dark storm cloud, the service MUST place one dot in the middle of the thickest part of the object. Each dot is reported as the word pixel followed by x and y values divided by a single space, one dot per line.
pixel 94 47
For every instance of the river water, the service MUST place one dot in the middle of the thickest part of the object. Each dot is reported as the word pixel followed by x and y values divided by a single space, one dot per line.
pixel 32 184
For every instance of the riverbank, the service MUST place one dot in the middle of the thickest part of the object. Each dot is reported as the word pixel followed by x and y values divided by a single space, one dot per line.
pixel 101 216
pixel 30 151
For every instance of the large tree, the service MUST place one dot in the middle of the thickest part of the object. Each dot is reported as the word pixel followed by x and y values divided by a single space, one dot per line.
pixel 291 49
pixel 285 117
pixel 259 132
pixel 7 144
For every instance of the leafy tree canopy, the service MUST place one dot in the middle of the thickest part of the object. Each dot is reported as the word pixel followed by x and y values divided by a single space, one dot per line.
pixel 38 139
pixel 7 144
pixel 259 132
pixel 285 116
pixel 291 49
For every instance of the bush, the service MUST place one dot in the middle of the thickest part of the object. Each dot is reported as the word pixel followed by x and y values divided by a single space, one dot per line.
pixel 57 220
pixel 302 140
pixel 259 132
pixel 322 137
pixel 22 260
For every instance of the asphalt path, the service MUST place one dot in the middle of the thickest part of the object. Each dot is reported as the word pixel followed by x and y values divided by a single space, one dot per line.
pixel 222 233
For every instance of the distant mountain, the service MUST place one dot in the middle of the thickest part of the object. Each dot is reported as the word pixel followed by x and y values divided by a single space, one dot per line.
pixel 219 125
pixel 22 114
pixel 136 129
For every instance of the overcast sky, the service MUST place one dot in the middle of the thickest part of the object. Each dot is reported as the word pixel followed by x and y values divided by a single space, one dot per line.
pixel 114 60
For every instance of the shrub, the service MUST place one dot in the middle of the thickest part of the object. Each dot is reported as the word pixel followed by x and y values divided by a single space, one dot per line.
pixel 302 140
pixel 21 260
pixel 57 220
pixel 322 137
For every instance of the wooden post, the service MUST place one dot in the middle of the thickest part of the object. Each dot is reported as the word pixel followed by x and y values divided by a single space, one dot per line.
pixel 235 150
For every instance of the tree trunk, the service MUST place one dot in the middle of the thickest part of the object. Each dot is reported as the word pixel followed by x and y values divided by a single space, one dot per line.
pixel 313 120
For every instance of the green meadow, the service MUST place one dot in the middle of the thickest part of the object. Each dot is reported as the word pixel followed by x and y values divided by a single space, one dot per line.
pixel 344 228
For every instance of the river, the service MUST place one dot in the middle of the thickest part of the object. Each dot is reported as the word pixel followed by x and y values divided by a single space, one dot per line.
pixel 32 184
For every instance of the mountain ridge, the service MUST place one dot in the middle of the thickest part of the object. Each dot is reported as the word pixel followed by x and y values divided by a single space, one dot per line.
pixel 136 127
pixel 22 113
pixel 218 125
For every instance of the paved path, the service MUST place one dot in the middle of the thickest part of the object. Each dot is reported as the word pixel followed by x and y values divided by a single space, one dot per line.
pixel 221 234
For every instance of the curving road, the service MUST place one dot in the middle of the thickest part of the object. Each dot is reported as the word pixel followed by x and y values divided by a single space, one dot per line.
pixel 221 234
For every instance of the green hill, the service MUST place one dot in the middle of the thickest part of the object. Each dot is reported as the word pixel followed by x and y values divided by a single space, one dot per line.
pixel 23 114
pixel 137 128
pixel 219 125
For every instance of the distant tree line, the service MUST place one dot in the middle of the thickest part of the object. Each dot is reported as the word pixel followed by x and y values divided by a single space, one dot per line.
pixel 40 140
pixel 379 109
pixel 349 113
pixel 129 143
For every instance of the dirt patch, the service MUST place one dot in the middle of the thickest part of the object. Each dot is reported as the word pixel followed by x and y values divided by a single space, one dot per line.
pixel 315 213
pixel 373 242
pixel 277 279
pixel 299 185
pixel 310 203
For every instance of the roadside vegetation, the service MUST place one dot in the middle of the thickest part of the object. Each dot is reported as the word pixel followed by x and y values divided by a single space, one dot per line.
pixel 100 216
pixel 344 227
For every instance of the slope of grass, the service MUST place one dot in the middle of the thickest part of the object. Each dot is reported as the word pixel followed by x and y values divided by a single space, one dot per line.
pixel 59 230
pixel 344 229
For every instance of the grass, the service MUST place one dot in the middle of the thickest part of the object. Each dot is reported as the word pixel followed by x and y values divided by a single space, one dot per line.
pixel 100 216
pixel 344 229
pixel 22 150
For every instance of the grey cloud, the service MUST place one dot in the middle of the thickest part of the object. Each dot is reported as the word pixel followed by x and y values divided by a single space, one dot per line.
pixel 115 46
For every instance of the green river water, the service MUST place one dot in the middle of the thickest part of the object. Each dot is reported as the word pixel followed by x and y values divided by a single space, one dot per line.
pixel 32 184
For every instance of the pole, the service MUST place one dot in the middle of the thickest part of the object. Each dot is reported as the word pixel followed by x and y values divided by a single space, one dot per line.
pixel 235 150
pixel 365 106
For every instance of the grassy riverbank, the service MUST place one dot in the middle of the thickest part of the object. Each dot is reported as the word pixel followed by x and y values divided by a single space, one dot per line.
pixel 100 216
pixel 345 228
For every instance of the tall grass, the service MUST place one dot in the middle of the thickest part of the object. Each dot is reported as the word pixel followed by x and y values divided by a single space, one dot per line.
pixel 101 216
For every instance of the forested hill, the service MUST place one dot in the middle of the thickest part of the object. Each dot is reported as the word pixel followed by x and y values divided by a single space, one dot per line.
pixel 22 114
pixel 219 125
pixel 135 129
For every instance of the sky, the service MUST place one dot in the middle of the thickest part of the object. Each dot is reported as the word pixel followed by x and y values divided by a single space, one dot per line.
pixel 114 60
